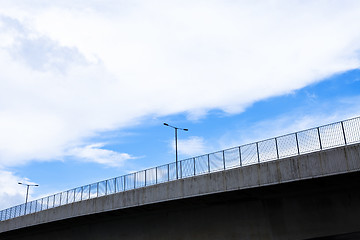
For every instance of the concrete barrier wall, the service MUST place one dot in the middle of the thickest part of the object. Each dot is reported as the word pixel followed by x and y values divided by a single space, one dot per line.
pixel 313 165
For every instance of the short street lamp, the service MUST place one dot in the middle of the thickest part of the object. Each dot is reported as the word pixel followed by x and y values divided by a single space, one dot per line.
pixel 176 151
pixel 27 191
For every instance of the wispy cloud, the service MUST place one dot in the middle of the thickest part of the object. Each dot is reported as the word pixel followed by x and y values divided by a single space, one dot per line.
pixel 290 122
pixel 191 146
pixel 95 153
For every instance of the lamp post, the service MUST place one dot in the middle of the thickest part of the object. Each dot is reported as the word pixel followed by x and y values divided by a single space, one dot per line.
pixel 176 151
pixel 27 191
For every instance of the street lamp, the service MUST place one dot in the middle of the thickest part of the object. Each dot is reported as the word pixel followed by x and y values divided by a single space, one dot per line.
pixel 176 152
pixel 27 191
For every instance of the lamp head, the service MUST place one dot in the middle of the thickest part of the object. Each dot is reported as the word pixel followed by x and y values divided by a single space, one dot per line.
pixel 166 124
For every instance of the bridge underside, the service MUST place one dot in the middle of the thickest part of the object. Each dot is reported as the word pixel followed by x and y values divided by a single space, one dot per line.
pixel 307 209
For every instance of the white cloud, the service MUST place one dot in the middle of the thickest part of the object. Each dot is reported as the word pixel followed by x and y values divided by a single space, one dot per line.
pixel 72 70
pixel 11 193
pixel 95 153
pixel 191 146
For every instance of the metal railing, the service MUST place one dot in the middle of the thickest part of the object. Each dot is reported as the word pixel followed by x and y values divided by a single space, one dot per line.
pixel 314 139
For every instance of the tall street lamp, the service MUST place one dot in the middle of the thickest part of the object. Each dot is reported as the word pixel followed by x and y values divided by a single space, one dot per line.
pixel 27 191
pixel 176 152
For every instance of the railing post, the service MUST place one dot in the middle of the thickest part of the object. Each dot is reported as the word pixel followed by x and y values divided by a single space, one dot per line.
pixel 180 169
pixel 134 180
pixel 53 202
pixel 277 149
pixel 60 198
pixel 145 178
pixel 318 131
pixel 67 196
pixel 240 156
pixel 208 157
pixel 343 130
pixel 156 175
pixel 36 205
pixel 168 168
pixel 115 185
pixel 297 143
pixel 257 150
pixel 194 167
pixel 47 203
pixel 81 195
pixel 124 182
pixel 106 182
pixel 97 189
pixel 223 155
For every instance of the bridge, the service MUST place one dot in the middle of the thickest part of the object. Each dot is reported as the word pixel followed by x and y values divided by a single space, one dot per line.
pixel 303 185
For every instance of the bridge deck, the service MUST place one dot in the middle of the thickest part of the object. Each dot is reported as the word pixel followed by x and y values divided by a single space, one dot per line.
pixel 345 159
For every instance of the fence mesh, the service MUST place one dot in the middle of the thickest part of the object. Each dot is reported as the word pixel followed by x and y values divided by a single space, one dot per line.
pixel 216 161
pixel 151 176
pixel 102 188
pixel 163 173
pixel 324 137
pixel 120 184
pixel 110 186
pixel 187 167
pixel 331 135
pixel 352 129
pixel 267 150
pixel 202 164
pixel 249 154
pixel 232 157
pixel 140 179
pixel 287 145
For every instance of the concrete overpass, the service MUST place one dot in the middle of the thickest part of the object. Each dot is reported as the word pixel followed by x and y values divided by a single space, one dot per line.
pixel 310 196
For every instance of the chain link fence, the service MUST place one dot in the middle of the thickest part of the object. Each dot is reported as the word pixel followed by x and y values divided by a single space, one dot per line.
pixel 315 139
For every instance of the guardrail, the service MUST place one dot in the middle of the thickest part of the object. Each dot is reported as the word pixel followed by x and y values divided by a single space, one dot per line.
pixel 310 140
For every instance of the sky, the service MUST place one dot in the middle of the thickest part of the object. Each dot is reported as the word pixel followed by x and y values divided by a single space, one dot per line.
pixel 85 86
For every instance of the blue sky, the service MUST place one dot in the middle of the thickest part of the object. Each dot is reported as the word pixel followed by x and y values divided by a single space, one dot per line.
pixel 85 88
